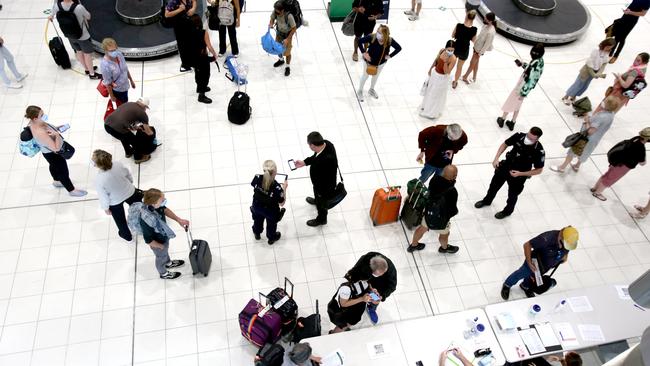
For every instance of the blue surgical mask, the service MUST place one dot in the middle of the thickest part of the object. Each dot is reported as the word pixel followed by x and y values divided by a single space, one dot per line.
pixel 163 203
pixel 114 54
pixel 92 163
pixel 44 117
pixel 450 53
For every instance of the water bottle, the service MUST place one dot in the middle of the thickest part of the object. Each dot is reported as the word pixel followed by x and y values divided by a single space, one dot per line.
pixel 560 305
pixel 535 309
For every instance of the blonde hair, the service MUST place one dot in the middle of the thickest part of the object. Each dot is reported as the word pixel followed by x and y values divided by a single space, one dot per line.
pixel 108 42
pixel 270 169
pixel 385 32
pixel 471 14
pixel 151 196
pixel 103 160
pixel 611 103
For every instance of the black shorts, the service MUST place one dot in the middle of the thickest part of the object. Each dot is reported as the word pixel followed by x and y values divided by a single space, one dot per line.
pixel 462 54
pixel 364 27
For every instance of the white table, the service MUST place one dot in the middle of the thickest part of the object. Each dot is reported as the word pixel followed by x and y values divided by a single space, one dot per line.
pixel 412 340
pixel 619 319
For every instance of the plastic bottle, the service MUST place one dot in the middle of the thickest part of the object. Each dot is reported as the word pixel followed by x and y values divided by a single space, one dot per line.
pixel 560 305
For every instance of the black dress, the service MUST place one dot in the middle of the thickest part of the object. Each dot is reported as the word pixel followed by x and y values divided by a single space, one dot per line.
pixel 463 36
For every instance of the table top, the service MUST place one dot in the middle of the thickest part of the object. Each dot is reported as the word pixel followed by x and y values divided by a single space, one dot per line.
pixel 618 318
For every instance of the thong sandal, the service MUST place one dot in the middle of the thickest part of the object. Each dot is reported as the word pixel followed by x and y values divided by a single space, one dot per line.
pixel 466 81
pixel 575 168
pixel 454 84
pixel 639 208
pixel 592 190
pixel 599 196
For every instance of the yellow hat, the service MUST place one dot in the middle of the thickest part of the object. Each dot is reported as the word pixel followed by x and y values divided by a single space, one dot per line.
pixel 570 237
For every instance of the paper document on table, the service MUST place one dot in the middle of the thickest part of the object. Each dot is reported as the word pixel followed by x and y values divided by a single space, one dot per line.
pixel 532 341
pixel 567 335
pixel 547 335
pixel 378 349
pixel 538 274
pixel 623 293
pixel 580 304
pixel 333 359
pixel 506 321
pixel 591 332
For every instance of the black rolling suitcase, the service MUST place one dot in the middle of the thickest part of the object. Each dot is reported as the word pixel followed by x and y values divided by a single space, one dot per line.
pixel 59 54
pixel 200 255
pixel 307 327
pixel 284 304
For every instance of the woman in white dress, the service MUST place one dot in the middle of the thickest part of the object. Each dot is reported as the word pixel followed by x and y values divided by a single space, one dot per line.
pixel 435 92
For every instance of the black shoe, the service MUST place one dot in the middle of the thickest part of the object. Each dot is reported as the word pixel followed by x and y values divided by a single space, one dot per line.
pixel 511 125
pixel 128 156
pixel 281 214
pixel 501 215
pixel 315 222
pixel 529 293
pixel 500 121
pixel 257 236
pixel 480 204
pixel 505 292
pixel 451 249
pixel 170 275
pixel 310 200
pixel 95 76
pixel 175 263
pixel 413 248
pixel 207 89
pixel 185 69
pixel 287 71
pixel 278 63
pixel 86 71
pixel 277 237
pixel 204 99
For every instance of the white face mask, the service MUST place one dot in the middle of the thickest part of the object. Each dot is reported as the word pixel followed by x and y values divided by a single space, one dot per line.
pixel 380 37
pixel 92 164
pixel 450 53
pixel 528 141
pixel 374 275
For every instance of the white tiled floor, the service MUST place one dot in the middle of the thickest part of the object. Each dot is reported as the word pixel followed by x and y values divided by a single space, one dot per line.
pixel 72 293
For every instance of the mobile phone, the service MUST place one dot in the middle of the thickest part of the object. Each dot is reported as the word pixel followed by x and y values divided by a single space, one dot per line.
pixel 419 363
pixel 482 352
pixel 279 175
pixel 292 164
pixel 374 296
pixel 63 128
pixel 518 63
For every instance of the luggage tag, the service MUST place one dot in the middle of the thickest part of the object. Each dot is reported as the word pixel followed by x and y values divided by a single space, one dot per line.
pixel 279 304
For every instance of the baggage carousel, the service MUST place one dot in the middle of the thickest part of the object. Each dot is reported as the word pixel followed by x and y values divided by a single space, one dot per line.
pixel 546 21
pixel 135 26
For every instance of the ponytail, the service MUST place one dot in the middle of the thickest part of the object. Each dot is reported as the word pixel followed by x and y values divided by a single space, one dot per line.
pixel 270 169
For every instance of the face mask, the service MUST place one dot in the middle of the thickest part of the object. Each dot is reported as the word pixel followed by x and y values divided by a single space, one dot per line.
pixel 114 54
pixel 450 53
pixel 528 141
pixel 92 164
pixel 636 63
pixel 374 275
pixel 380 37
pixel 163 203
pixel 44 117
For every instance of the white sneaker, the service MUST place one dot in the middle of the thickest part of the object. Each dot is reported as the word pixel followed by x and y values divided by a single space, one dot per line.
pixel 22 77
pixel 220 55
pixel 409 12
pixel 373 93
pixel 13 85
pixel 78 193
pixel 360 95
pixel 414 17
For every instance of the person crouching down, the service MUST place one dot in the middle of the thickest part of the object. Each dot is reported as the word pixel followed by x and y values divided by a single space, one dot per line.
pixel 268 198
pixel 383 278
pixel 349 303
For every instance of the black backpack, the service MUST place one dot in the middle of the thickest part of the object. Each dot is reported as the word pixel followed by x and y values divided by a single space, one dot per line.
pixel 293 7
pixel 239 108
pixel 270 355
pixel 616 155
pixel 68 21
pixel 435 214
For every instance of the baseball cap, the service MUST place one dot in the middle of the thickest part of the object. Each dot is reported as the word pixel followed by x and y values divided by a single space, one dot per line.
pixel 570 237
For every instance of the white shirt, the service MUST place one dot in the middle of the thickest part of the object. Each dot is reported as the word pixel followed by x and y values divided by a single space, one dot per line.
pixel 345 292
pixel 114 186
pixel 597 59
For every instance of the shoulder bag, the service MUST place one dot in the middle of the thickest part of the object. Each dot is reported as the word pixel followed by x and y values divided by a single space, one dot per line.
pixel 372 69
pixel 339 193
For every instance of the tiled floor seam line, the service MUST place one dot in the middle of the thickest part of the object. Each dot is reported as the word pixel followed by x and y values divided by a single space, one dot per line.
pixel 135 266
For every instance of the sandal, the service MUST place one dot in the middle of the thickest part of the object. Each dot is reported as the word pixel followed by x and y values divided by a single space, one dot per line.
pixel 639 208
pixel 599 196
pixel 355 57
pixel 638 215
pixel 575 167
pixel 557 169
pixel 454 84
pixel 466 81
pixel 592 190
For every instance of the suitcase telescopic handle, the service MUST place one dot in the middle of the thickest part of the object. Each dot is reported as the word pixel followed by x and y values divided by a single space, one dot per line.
pixel 188 234
pixel 285 286
pixel 260 296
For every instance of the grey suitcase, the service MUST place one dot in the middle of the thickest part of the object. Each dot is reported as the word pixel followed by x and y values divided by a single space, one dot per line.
pixel 200 255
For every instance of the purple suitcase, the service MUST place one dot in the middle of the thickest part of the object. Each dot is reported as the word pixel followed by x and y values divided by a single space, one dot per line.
pixel 259 330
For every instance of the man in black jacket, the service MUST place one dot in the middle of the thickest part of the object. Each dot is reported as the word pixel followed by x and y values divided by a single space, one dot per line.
pixel 382 274
pixel 441 187
pixel 322 171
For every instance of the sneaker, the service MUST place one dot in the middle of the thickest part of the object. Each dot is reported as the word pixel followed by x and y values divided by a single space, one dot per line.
pixel 57 184
pixel 529 293
pixel 414 17
pixel 257 236
pixel 413 248
pixel 287 71
pixel 315 222
pixel 310 200
pixel 409 12
pixel 500 121
pixel 566 100
pixel 511 125
pixel 78 193
pixel 360 95
pixel 144 158
pixel 278 63
pixel 170 275
pixel 371 309
pixel 22 77
pixel 203 99
pixel 501 215
pixel 175 263
pixel 95 76
pixel 277 237
pixel 505 292
pixel 220 55
pixel 13 85
pixel 480 204
pixel 451 249
pixel 373 93
pixel 185 68
pixel 355 57
pixel 235 56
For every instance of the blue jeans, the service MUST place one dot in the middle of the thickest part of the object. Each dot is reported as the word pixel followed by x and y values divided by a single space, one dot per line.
pixel 523 273
pixel 579 86
pixel 429 170
pixel 6 56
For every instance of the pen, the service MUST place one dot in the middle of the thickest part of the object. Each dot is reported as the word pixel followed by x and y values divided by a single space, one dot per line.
pixel 640 308
pixel 561 336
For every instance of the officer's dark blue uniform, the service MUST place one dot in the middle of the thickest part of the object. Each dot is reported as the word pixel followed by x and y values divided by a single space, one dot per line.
pixel 266 205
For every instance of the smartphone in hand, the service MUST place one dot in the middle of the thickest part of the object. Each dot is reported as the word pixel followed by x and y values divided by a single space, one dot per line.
pixel 63 128
pixel 518 63
pixel 374 296
pixel 292 164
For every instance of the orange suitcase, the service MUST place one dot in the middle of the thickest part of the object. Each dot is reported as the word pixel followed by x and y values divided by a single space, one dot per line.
pixel 385 205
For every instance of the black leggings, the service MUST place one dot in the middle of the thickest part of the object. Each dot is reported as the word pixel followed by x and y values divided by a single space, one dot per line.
pixel 202 73
pixel 232 35
pixel 117 211
pixel 59 170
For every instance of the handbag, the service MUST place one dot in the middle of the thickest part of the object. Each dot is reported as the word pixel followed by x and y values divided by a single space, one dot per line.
pixel 66 151
pixel 372 69
pixel 101 88
pixel 348 24
pixel 271 46
pixel 109 109
pixel 573 138
pixel 339 193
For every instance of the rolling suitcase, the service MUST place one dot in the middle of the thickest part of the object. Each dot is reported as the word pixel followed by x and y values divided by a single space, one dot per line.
pixel 307 327
pixel 258 324
pixel 200 255
pixel 385 205
pixel 57 49
pixel 284 304
pixel 413 210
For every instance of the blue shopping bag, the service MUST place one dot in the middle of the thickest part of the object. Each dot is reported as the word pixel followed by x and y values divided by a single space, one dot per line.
pixel 270 45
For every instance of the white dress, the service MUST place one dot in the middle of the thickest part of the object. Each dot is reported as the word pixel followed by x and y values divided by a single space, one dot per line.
pixel 435 96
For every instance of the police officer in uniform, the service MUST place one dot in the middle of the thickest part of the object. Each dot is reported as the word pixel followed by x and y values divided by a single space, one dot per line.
pixel 527 152
pixel 268 198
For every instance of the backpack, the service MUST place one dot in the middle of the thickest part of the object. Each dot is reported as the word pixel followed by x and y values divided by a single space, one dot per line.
pixel 270 355
pixel 271 46
pixel 68 21
pixel 636 87
pixel 226 12
pixel 581 106
pixel 435 213
pixel 293 7
pixel 616 155
pixel 28 145
pixel 239 108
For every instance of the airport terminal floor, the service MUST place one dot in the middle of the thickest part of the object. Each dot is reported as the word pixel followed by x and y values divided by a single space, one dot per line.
pixel 74 293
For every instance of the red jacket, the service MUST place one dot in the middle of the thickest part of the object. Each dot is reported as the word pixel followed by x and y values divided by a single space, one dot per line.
pixel 430 141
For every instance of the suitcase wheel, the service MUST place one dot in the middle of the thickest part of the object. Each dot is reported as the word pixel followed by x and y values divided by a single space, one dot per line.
pixel 205 275
pixel 193 273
